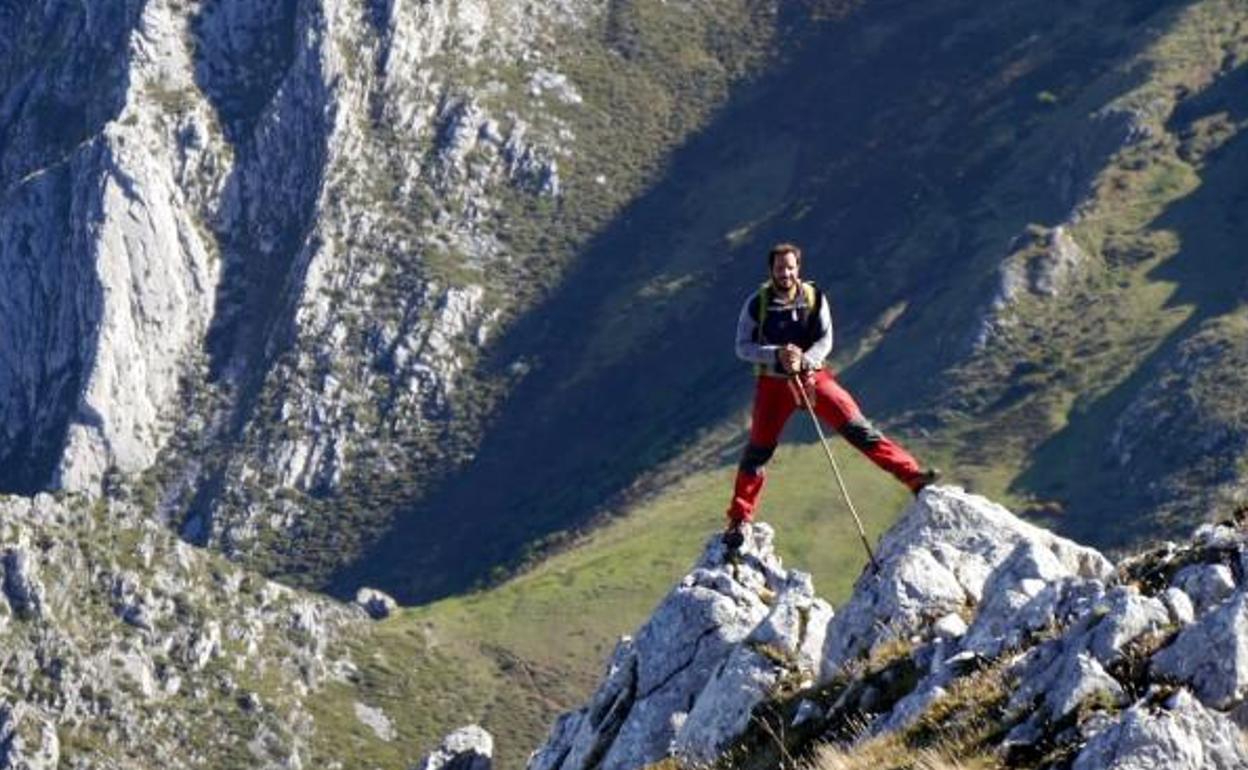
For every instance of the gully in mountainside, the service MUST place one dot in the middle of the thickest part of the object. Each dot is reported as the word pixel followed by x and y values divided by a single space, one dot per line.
pixel 785 330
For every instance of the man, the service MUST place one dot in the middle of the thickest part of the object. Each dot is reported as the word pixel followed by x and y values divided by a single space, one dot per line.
pixel 785 330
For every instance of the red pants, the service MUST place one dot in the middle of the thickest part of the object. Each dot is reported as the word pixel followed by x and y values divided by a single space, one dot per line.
pixel 775 400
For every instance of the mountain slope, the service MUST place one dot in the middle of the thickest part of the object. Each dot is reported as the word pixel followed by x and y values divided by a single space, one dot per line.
pixel 969 223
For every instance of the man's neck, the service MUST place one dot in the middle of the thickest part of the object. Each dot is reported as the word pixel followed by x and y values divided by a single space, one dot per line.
pixel 789 295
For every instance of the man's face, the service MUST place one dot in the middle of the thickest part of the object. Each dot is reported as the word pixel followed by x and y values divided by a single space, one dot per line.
pixel 784 270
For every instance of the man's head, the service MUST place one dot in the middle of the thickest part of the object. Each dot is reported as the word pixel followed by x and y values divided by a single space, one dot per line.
pixel 784 263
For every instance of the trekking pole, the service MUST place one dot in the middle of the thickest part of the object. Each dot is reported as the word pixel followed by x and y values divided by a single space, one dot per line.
pixel 862 533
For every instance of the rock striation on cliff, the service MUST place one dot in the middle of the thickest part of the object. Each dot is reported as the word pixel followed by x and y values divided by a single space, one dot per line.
pixel 974 617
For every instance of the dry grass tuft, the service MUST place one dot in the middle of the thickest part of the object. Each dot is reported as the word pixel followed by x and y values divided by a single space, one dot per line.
pixel 890 752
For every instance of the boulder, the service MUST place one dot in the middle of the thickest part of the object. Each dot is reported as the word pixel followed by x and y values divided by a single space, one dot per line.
pixel 1211 655
pixel 686 684
pixel 1180 734
pixel 1205 584
pixel 468 748
pixel 936 560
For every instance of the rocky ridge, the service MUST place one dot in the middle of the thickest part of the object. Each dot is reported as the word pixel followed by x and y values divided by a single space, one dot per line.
pixel 121 646
pixel 1012 645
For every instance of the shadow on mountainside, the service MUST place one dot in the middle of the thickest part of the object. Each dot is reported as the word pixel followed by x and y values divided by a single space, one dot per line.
pixel 867 144
pixel 268 215
pixel 1079 465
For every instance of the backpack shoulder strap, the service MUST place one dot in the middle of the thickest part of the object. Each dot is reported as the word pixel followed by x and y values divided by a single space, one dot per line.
pixel 811 294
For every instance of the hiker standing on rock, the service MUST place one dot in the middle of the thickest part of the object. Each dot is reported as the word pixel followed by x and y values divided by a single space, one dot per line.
pixel 785 330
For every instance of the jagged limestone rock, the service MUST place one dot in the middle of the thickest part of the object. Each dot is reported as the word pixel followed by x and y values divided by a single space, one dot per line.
pixel 468 748
pixel 235 191
pixel 687 684
pixel 1057 676
pixel 1019 599
pixel 1055 682
pixel 1041 262
pixel 579 739
pixel 27 742
pixel 1124 616
pixel 1180 606
pixel 934 561
pixel 20 583
pixel 1180 734
pixel 111 278
pixel 788 643
pixel 158 658
pixel 1205 584
pixel 1211 655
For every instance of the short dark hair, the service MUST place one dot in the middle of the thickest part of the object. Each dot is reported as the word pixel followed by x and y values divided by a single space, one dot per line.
pixel 781 249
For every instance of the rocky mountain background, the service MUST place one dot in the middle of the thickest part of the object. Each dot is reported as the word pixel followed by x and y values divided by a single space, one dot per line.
pixel 345 293
pixel 254 251
pixel 316 278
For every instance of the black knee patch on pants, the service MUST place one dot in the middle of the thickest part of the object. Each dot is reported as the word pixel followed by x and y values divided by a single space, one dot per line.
pixel 861 433
pixel 755 457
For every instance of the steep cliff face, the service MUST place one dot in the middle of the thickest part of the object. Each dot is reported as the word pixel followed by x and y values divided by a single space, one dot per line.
pixel 269 240
pixel 367 166
pixel 111 161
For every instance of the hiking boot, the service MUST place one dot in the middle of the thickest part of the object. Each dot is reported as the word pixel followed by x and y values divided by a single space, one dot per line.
pixel 734 535
pixel 926 477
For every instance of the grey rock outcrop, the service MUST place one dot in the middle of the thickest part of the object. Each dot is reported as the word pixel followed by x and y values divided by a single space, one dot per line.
pixel 110 275
pixel 376 720
pixel 108 620
pixel 1179 734
pixel 935 561
pixel 26 741
pixel 1211 656
pixel 20 584
pixel 1205 584
pixel 1065 642
pixel 1041 262
pixel 468 748
pixel 1023 596
pixel 686 685
pixel 204 205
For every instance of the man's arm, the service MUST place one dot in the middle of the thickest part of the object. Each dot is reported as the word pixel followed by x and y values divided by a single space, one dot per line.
pixel 816 353
pixel 748 347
